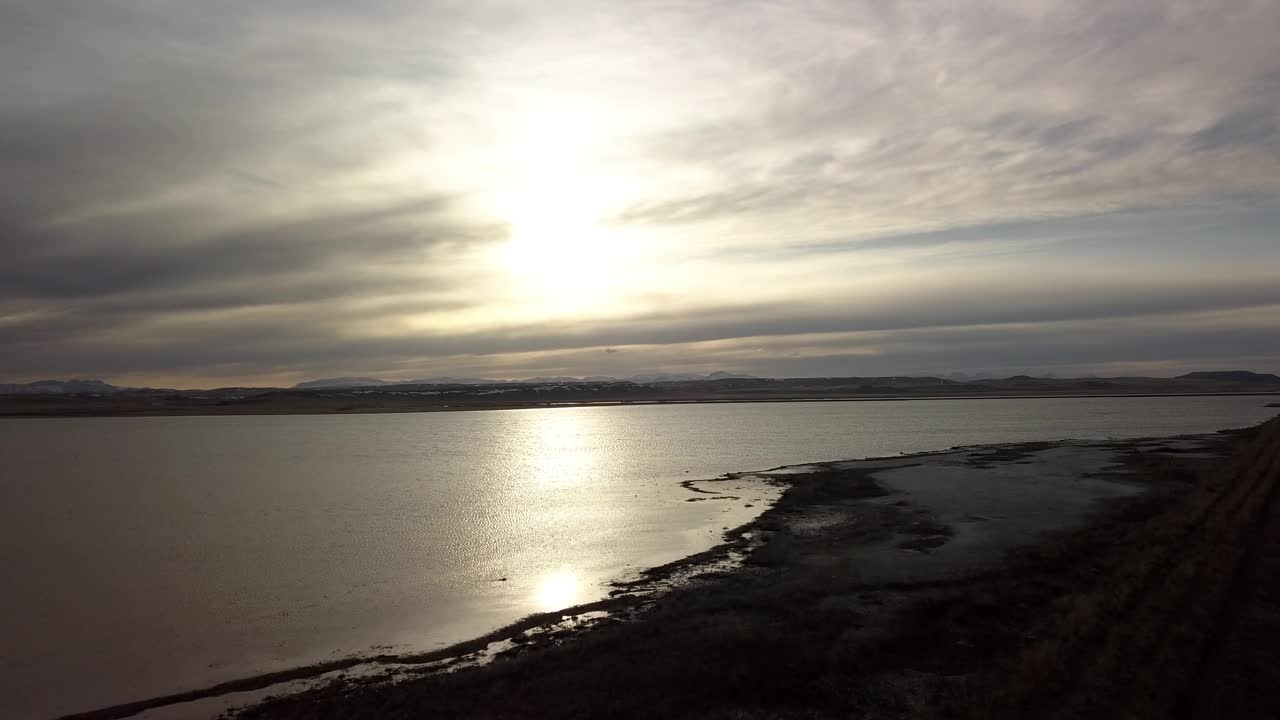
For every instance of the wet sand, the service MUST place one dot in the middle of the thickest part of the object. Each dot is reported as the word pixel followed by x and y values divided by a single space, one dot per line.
pixel 870 586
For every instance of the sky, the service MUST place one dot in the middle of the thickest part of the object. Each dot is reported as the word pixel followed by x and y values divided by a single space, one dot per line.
pixel 257 192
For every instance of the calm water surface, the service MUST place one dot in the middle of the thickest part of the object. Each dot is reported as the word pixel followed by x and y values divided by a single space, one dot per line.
pixel 148 555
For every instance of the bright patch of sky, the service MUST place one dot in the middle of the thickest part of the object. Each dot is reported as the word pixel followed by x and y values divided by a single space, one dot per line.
pixel 263 192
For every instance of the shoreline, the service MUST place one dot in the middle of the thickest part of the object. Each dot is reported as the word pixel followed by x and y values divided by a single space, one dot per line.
pixel 240 411
pixel 807 514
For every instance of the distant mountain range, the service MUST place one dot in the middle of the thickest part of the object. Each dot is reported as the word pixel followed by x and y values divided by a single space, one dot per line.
pixel 98 387
pixel 350 382
pixel 1233 380
pixel 60 387
pixel 1238 376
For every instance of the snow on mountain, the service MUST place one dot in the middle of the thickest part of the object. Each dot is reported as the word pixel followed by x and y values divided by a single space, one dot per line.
pixel 350 382
pixel 341 382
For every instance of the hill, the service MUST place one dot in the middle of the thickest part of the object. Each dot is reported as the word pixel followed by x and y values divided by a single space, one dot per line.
pixel 59 387
pixel 1237 376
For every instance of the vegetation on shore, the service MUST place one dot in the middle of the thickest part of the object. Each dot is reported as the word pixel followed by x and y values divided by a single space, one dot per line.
pixel 453 397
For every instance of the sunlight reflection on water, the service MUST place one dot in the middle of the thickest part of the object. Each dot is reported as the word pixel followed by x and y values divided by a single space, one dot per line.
pixel 558 590
pixel 563 448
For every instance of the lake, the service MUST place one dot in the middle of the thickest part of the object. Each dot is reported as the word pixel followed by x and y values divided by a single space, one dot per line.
pixel 144 556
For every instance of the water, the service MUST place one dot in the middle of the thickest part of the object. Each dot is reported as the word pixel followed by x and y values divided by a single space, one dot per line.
pixel 148 555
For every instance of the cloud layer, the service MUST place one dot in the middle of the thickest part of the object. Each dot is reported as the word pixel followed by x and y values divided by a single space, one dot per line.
pixel 196 194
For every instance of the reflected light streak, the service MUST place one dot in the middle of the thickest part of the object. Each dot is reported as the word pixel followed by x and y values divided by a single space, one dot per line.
pixel 563 451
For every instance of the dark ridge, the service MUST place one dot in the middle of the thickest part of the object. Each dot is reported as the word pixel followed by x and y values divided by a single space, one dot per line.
pixel 1236 376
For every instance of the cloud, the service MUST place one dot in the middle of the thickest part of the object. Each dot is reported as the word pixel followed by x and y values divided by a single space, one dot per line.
pixel 937 314
pixel 268 190
pixel 990 111
pixel 1254 127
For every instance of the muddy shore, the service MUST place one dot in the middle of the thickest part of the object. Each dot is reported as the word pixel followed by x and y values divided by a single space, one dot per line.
pixel 968 582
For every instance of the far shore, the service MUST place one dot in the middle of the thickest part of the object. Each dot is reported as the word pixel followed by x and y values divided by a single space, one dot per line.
pixel 973 582
pixel 26 407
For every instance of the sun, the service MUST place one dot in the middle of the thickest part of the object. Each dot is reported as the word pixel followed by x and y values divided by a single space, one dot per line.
pixel 558 255
pixel 562 256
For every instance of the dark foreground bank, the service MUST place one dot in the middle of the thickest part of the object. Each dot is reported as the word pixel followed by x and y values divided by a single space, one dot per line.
pixel 867 591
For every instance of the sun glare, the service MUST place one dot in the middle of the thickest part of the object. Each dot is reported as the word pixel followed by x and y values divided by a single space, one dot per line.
pixel 562 257
pixel 559 450
pixel 559 590
pixel 557 252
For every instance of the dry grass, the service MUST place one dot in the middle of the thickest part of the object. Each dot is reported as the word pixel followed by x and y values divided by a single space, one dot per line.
pixel 1134 628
